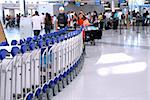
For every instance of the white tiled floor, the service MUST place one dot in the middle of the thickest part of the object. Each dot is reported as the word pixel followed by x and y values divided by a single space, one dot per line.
pixel 117 68
pixel 14 34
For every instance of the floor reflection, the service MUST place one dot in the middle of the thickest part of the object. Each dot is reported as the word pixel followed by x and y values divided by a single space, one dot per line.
pixel 130 68
pixel 114 58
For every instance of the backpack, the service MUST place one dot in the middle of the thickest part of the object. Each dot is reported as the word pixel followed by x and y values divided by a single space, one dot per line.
pixel 62 19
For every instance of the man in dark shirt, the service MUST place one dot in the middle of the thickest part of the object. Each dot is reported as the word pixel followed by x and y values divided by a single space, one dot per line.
pixel 62 18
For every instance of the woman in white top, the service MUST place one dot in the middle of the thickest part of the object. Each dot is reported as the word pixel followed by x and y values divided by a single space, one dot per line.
pixel 36 21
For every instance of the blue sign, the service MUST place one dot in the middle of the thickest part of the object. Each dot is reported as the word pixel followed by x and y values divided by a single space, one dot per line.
pixel 121 1
pixel 97 2
pixel 78 4
pixel 145 5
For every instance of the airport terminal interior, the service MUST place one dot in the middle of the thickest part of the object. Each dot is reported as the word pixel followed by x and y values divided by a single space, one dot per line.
pixel 74 49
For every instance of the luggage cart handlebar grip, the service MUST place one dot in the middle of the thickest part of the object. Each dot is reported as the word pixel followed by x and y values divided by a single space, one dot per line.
pixel 40 37
pixel 14 42
pixel 21 42
pixel 4 44
pixel 29 96
pixel 47 42
pixel 53 40
pixel 58 39
pixel 32 46
pixel 14 51
pixel 40 43
pixel 63 37
pixel 45 36
pixel 35 38
pixel 23 49
pixel 38 92
pixel 29 39
pixel 3 54
pixel 45 86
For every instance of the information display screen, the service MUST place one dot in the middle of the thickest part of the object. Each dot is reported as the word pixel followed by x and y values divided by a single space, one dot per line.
pixel 136 2
pixel 121 1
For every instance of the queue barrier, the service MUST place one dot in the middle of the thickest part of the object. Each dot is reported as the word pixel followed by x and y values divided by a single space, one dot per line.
pixel 40 67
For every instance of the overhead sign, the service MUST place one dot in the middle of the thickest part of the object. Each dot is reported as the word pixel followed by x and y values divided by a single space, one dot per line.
pixel 78 2
pixel 121 1
pixel 145 5
pixel 2 34
pixel 97 2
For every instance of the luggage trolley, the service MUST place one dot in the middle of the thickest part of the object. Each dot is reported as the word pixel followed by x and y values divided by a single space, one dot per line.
pixel 14 71
pixel 9 71
pixel 64 62
pixel 53 62
pixel 58 66
pixel 68 54
pixel 60 63
pixel 73 50
pixel 39 93
pixel 31 68
pixel 3 54
pixel 46 68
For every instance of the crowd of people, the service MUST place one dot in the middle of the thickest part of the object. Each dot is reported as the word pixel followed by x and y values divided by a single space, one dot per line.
pixel 11 21
pixel 73 19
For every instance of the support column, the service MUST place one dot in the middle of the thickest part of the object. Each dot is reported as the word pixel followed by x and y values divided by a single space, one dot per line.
pixel 113 6
pixel 23 7
pixel 31 11
pixel 1 13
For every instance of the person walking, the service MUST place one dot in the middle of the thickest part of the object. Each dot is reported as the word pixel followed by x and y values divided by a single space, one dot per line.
pixel 36 22
pixel 8 18
pixel 48 23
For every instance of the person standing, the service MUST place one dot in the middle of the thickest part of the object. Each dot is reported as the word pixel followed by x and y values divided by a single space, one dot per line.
pixel 18 20
pixel 104 21
pixel 42 19
pixel 147 18
pixel 75 19
pixel 80 19
pixel 133 18
pixel 88 16
pixel 69 18
pixel 138 17
pixel 100 19
pixel 36 22
pixel 62 19
pixel 95 19
pixel 123 20
pixel 54 22
pixel 8 18
pixel 48 23
pixel 115 20
pixel 128 19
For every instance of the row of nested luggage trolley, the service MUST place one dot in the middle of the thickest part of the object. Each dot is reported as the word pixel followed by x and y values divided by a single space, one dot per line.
pixel 39 68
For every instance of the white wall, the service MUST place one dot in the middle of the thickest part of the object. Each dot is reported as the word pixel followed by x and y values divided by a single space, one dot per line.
pixel 45 8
